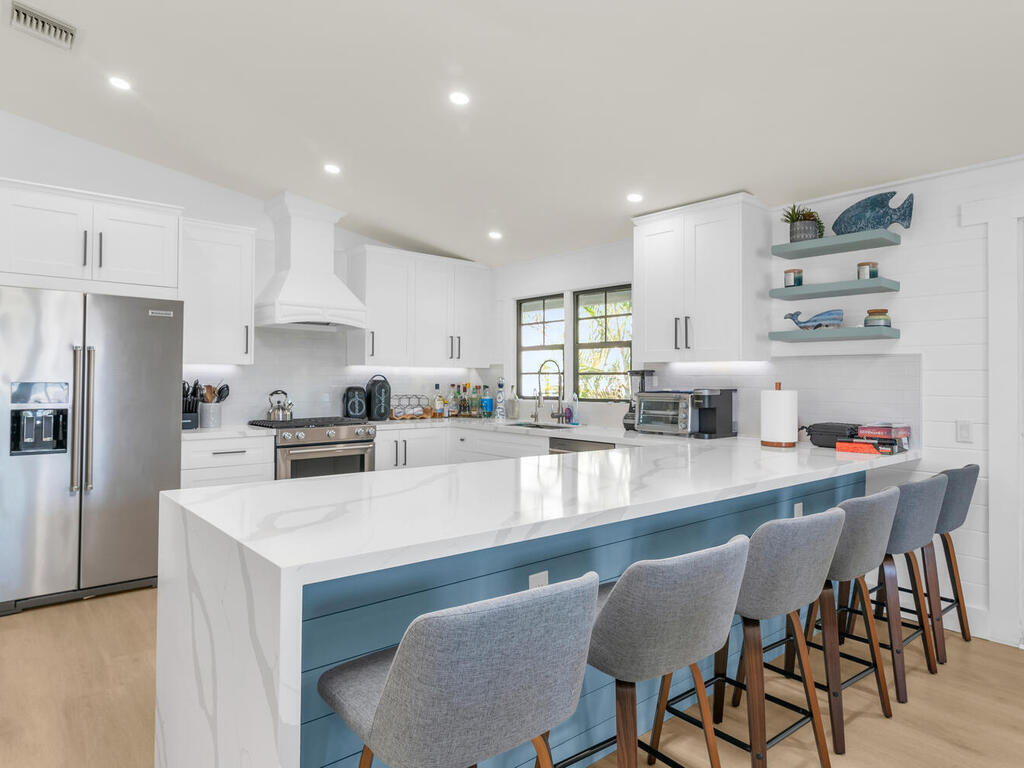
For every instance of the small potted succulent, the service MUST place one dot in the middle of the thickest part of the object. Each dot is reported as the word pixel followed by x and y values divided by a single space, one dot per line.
pixel 804 224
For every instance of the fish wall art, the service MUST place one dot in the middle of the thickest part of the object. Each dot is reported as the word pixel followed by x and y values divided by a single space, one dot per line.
pixel 832 318
pixel 874 212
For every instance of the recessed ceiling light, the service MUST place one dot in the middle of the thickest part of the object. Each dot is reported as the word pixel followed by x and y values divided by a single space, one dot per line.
pixel 332 169
pixel 494 235
pixel 635 197
pixel 458 98
pixel 120 83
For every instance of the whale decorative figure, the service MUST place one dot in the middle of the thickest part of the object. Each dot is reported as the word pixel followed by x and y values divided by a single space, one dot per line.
pixel 874 213
pixel 832 318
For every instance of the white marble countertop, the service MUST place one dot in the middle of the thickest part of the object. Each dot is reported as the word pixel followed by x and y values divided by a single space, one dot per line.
pixel 226 432
pixel 615 435
pixel 330 527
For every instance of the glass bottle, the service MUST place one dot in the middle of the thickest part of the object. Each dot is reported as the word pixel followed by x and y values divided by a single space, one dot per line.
pixel 464 401
pixel 438 402
pixel 499 401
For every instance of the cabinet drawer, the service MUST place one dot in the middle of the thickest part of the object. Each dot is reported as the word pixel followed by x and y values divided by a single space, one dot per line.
pixel 499 443
pixel 208 476
pixel 227 452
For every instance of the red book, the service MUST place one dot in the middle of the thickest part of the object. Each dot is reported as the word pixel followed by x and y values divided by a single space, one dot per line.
pixel 888 431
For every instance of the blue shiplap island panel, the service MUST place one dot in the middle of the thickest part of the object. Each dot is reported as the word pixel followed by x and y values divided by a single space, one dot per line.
pixel 346 618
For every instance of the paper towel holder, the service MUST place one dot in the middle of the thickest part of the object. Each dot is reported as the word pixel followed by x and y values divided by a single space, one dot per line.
pixel 767 426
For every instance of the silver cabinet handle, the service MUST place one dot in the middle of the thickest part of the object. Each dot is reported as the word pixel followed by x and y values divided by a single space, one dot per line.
pixel 247 339
pixel 373 343
pixel 76 420
pixel 686 331
pixel 675 331
pixel 396 453
pixel 405 453
pixel 101 250
pixel 90 398
pixel 451 347
pixel 85 249
pixel 459 355
pixel 229 453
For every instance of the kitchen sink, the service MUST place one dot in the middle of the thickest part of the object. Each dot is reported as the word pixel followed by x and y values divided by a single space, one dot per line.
pixel 531 425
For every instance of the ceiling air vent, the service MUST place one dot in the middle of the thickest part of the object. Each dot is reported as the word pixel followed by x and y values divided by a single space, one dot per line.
pixel 40 25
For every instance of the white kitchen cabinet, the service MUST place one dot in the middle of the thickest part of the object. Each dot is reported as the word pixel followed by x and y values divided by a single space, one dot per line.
pixel 217 289
pixel 400 448
pixel 226 460
pixel 135 245
pixel 45 234
pixel 700 283
pixel 383 279
pixel 434 334
pixel 468 445
pixel 470 315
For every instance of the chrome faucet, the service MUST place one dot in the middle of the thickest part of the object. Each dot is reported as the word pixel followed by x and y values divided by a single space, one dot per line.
pixel 558 415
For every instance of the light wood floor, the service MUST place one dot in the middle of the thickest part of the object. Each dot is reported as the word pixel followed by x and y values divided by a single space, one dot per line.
pixel 76 688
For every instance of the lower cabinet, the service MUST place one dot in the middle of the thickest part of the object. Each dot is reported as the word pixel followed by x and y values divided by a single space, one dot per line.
pixel 477 445
pixel 400 448
pixel 226 460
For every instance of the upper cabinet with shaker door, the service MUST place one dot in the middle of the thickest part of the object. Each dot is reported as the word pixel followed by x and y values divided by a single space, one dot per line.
pixel 217 288
pixel 50 235
pixel 434 336
pixel 135 245
pixel 471 315
pixel 383 278
pixel 700 282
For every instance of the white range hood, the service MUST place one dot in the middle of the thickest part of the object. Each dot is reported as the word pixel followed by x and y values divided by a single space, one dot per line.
pixel 304 290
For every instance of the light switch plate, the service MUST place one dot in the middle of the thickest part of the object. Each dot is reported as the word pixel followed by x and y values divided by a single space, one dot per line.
pixel 798 509
pixel 963 431
pixel 538 579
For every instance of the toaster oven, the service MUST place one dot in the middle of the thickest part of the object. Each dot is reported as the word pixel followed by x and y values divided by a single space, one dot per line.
pixel 667 413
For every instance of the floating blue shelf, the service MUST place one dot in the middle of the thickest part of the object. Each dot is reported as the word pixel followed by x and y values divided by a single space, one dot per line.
pixel 853 333
pixel 841 288
pixel 855 241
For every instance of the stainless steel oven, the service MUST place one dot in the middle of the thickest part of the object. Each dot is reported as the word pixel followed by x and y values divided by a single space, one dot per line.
pixel 321 447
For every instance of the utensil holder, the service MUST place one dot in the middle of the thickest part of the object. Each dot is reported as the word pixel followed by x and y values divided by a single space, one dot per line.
pixel 209 415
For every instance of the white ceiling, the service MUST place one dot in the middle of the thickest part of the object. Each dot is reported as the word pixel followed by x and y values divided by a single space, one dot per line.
pixel 574 103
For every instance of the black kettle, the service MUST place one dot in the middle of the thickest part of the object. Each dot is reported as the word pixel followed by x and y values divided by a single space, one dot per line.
pixel 378 398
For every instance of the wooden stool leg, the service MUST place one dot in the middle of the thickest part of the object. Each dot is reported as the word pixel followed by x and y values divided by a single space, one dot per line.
pixel 851 616
pixel 705 719
pixel 833 675
pixel 958 588
pixel 625 724
pixel 931 581
pixel 917 585
pixel 540 744
pixel 812 618
pixel 741 676
pixel 659 713
pixel 753 660
pixel 883 599
pixel 366 758
pixel 844 601
pixel 546 735
pixel 790 663
pixel 892 603
pixel 810 691
pixel 721 669
pixel 876 650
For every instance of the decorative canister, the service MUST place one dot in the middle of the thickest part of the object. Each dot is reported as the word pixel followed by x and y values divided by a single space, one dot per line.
pixel 877 317
pixel 803 230
pixel 794 277
pixel 867 270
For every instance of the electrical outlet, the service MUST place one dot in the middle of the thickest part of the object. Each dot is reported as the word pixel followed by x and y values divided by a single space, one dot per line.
pixel 963 431
pixel 798 509
pixel 538 579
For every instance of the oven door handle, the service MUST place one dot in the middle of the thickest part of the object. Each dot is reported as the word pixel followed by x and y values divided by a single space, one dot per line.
pixel 328 450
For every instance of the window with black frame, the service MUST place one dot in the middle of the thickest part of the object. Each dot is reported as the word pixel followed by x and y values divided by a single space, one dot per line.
pixel 603 343
pixel 541 337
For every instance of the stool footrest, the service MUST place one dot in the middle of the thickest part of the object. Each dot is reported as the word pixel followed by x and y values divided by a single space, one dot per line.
pixel 585 753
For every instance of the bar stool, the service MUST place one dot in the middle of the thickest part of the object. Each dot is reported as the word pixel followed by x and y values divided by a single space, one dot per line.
pixel 955 505
pixel 468 683
pixel 913 528
pixel 786 566
pixel 861 550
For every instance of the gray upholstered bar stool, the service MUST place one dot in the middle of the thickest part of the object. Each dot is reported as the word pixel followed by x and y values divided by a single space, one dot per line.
pixel 661 616
pixel 468 683
pixel 955 506
pixel 913 528
pixel 861 550
pixel 786 566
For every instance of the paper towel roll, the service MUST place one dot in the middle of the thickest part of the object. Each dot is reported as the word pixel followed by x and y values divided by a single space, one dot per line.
pixel 779 420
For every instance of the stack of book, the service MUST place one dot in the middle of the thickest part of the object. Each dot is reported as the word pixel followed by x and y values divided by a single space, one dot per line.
pixel 878 439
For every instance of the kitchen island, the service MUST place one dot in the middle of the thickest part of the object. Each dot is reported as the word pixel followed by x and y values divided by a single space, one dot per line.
pixel 265 586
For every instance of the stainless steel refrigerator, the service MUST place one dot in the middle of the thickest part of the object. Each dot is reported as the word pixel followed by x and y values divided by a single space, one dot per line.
pixel 90 395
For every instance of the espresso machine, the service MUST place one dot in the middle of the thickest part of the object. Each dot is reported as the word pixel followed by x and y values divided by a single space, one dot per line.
pixel 637 384
pixel 712 413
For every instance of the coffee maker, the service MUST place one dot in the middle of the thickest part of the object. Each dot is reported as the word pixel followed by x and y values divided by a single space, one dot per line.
pixel 712 413
pixel 637 384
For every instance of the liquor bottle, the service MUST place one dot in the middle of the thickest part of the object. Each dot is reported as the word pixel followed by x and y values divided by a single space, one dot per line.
pixel 438 402
pixel 453 400
pixel 464 401
pixel 486 404
pixel 499 401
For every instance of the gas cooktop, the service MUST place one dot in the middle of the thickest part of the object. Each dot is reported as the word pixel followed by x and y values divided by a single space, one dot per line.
pixel 309 423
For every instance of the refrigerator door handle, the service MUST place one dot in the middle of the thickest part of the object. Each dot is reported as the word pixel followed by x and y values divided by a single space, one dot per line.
pixel 76 421
pixel 90 397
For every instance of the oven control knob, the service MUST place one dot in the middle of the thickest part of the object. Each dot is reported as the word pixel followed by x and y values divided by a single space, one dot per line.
pixel 286 435
pixel 300 435
pixel 332 433
pixel 371 431
pixel 360 432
